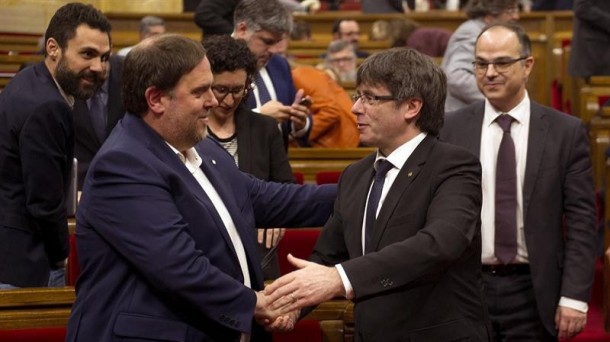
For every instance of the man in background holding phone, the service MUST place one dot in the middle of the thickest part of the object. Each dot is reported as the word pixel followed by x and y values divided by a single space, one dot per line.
pixel 263 24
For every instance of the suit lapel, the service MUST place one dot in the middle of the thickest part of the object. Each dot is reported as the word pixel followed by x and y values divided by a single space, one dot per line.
pixel 210 168
pixel 405 178
pixel 356 200
pixel 538 133
pixel 474 123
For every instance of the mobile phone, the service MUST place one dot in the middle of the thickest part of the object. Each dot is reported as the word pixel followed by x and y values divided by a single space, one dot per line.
pixel 306 101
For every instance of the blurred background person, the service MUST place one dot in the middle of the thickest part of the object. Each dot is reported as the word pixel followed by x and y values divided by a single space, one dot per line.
pixel 341 59
pixel 348 30
pixel 590 50
pixel 215 17
pixel 149 26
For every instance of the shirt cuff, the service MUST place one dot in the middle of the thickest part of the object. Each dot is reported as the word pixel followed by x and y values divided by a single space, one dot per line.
pixel 302 132
pixel 349 292
pixel 573 304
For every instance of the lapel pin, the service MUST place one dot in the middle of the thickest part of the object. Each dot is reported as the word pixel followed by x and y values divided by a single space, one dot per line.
pixel 213 162
pixel 410 173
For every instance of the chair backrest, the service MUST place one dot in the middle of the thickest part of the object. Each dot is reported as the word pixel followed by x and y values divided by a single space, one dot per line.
pixel 299 178
pixel 73 267
pixel 50 334
pixel 327 177
pixel 298 242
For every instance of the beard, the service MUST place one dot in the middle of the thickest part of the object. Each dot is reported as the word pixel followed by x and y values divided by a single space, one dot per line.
pixel 70 81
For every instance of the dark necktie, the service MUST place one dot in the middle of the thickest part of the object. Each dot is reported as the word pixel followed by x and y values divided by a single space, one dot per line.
pixel 506 195
pixel 382 166
pixel 263 93
pixel 97 110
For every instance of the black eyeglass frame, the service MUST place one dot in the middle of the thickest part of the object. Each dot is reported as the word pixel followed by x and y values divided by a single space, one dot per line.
pixel 500 65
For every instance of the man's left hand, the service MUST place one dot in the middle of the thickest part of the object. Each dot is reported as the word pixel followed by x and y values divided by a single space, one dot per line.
pixel 569 322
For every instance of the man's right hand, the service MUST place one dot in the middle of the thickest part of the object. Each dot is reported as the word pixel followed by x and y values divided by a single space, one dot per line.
pixel 276 110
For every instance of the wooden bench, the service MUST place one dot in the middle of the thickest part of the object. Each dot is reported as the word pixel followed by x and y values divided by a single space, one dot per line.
pixel 39 308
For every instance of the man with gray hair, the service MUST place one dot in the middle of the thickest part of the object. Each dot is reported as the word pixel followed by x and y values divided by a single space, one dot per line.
pixel 149 26
pixel 457 62
pixel 263 24
pixel 341 59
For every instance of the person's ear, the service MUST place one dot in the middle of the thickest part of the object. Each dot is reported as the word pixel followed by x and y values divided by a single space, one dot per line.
pixel 52 49
pixel 412 107
pixel 155 99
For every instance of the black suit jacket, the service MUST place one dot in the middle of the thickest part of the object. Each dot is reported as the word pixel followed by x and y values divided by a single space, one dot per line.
pixel 86 142
pixel 36 152
pixel 590 51
pixel 261 147
pixel 423 280
pixel 558 201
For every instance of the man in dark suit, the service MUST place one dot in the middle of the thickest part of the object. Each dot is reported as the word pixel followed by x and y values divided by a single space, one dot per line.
pixel 166 224
pixel 590 50
pixel 263 24
pixel 88 137
pixel 414 271
pixel 37 143
pixel 539 236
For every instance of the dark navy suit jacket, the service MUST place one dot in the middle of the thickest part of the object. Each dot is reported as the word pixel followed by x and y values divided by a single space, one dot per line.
pixel 281 77
pixel 156 259
pixel 36 152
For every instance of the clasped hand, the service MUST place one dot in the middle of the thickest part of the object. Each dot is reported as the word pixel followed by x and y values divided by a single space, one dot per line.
pixel 276 319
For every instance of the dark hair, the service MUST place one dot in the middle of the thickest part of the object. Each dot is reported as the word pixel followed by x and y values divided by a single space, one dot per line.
pixel 337 24
pixel 228 54
pixel 524 39
pixel 408 74
pixel 268 15
pixel 301 30
pixel 69 17
pixel 159 62
pixel 480 8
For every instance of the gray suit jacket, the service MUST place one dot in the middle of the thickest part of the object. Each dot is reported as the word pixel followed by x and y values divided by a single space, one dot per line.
pixel 558 201
pixel 462 87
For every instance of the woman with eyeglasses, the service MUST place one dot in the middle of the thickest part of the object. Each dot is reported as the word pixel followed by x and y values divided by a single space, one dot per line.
pixel 253 140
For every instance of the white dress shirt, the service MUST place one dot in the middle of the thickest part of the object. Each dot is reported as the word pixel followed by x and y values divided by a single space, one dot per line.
pixel 491 135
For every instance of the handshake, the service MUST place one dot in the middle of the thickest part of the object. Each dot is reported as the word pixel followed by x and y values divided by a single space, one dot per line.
pixel 279 306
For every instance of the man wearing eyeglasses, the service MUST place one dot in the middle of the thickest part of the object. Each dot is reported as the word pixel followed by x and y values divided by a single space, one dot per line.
pixel 538 216
pixel 461 84
pixel 404 239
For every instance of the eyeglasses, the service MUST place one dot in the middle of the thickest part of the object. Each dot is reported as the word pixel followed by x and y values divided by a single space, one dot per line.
pixel 372 100
pixel 501 65
pixel 221 92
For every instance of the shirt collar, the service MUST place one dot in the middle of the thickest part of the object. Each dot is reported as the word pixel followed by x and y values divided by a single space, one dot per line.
pixel 192 159
pixel 519 112
pixel 399 156
pixel 69 98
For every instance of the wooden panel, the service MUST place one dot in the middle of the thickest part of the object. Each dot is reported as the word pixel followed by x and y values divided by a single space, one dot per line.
pixel 309 161
pixel 35 307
